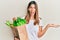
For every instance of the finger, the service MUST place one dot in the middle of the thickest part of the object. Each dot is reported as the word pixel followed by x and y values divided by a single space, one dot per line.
pixel 57 26
pixel 14 18
pixel 52 24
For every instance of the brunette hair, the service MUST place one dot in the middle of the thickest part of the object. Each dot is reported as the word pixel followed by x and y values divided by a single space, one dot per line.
pixel 36 17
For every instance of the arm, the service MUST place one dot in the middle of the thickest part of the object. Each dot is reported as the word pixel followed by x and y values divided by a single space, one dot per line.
pixel 42 32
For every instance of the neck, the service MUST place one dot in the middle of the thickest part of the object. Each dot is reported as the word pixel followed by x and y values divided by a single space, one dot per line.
pixel 32 17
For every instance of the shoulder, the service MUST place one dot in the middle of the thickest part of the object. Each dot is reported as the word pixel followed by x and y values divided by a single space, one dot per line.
pixel 40 18
pixel 40 22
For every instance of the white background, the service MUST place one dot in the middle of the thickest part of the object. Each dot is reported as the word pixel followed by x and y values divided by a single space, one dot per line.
pixel 49 10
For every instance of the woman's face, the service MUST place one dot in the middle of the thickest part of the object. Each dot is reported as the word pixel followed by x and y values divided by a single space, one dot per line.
pixel 32 9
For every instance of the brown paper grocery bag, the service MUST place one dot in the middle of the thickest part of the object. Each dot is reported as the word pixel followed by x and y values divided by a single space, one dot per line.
pixel 20 32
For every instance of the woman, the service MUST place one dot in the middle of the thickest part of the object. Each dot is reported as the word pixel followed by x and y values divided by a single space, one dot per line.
pixel 34 23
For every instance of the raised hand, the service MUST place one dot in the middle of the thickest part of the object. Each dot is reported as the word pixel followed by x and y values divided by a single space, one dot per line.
pixel 53 25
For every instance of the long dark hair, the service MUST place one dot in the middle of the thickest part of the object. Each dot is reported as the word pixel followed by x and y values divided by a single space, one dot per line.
pixel 36 17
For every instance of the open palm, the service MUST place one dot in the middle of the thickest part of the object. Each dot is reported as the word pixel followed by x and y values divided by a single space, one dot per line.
pixel 53 25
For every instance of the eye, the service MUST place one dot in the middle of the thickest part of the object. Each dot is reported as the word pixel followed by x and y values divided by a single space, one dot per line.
pixel 32 6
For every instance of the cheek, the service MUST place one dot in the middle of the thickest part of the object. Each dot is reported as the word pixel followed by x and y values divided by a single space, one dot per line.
pixel 29 10
pixel 34 10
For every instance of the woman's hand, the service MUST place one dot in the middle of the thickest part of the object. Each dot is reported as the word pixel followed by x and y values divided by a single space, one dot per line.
pixel 53 25
pixel 14 18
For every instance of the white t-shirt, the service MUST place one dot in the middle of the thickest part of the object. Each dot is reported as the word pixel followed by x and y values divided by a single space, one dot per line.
pixel 32 30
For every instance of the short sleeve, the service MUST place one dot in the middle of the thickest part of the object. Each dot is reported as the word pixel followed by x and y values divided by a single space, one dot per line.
pixel 40 22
